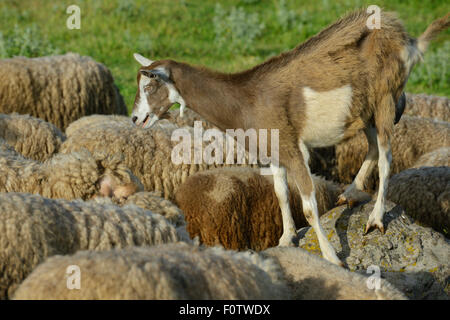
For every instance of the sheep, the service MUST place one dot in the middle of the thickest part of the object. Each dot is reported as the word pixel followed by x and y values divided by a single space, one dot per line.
pixel 424 193
pixel 312 278
pixel 94 119
pixel 69 176
pixel 32 137
pixel 34 228
pixel 148 153
pixel 238 209
pixel 437 158
pixel 413 137
pixel 150 201
pixel 58 89
pixel 426 106
pixel 168 272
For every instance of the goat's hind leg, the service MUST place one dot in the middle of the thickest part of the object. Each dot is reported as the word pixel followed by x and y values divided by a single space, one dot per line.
pixel 384 120
pixel 354 194
pixel 298 168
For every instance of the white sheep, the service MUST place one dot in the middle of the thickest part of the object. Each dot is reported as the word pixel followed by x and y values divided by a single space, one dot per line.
pixel 168 272
pixel 32 137
pixel 69 176
pixel 427 106
pixel 312 278
pixel 34 228
pixel 148 153
pixel 436 158
pixel 150 201
pixel 58 89
pixel 238 208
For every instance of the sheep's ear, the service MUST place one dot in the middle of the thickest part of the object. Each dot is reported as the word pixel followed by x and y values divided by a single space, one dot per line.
pixel 142 60
pixel 106 187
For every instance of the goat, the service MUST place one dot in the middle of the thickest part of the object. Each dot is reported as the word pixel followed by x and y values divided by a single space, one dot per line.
pixel 345 79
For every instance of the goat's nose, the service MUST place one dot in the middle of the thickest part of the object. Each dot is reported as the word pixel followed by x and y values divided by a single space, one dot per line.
pixel 134 119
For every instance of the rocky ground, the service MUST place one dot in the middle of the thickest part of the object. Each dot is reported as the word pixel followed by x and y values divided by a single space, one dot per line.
pixel 413 258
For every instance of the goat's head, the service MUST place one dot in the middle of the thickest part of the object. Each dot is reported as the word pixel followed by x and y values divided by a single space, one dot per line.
pixel 156 92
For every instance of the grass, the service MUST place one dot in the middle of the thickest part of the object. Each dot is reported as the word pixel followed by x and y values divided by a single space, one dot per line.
pixel 225 35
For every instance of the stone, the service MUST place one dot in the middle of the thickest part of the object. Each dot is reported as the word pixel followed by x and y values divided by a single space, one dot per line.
pixel 413 258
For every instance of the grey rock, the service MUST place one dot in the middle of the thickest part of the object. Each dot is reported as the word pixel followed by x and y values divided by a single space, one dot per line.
pixel 413 258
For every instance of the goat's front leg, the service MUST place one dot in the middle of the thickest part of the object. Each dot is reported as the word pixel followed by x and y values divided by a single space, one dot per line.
pixel 354 193
pixel 297 166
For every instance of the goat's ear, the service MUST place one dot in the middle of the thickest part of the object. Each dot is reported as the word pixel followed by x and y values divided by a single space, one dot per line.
pixel 142 60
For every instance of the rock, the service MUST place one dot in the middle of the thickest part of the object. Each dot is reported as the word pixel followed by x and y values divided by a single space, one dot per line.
pixel 415 259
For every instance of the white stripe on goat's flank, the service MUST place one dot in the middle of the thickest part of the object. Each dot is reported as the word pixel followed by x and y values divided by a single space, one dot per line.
pixel 326 113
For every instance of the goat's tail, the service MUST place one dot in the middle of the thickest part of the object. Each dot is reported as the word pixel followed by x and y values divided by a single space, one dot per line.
pixel 432 31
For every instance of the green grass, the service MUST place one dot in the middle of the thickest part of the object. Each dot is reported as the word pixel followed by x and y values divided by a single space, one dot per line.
pixel 229 36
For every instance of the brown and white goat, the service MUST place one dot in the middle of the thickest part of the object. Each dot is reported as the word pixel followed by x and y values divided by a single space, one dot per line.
pixel 345 79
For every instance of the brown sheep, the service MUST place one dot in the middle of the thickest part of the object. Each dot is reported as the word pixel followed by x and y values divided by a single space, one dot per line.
pixel 238 209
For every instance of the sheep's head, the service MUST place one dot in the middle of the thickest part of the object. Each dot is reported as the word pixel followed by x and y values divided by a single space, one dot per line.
pixel 156 92
pixel 82 175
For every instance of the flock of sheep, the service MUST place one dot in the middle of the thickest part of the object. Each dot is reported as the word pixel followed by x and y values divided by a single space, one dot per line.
pixel 81 185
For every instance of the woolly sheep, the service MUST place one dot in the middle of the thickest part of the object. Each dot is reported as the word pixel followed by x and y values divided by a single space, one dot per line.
pixel 34 228
pixel 168 272
pixel 238 209
pixel 147 152
pixel 69 176
pixel 424 193
pixel 412 138
pixel 313 278
pixel 95 119
pixel 58 89
pixel 437 158
pixel 32 137
pixel 150 201
pixel 426 106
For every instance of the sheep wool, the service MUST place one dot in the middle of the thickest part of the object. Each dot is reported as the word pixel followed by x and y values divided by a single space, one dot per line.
pixel 238 208
pixel 58 89
pixel 150 201
pixel 78 175
pixel 425 106
pixel 34 228
pixel 412 138
pixel 95 119
pixel 424 193
pixel 169 272
pixel 437 158
pixel 147 152
pixel 310 277
pixel 32 137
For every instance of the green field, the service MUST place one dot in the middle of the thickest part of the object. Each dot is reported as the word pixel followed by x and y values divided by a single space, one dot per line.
pixel 225 35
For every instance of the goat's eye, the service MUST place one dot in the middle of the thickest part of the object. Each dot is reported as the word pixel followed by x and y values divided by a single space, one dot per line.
pixel 152 75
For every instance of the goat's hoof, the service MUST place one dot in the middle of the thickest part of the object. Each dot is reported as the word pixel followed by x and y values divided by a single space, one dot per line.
pixel 374 224
pixel 287 241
